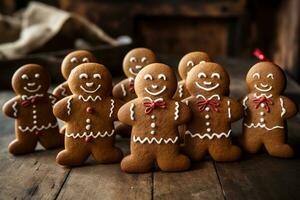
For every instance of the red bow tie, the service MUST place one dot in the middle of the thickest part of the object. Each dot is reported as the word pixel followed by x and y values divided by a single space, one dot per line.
pixel 214 104
pixel 151 105
pixel 264 100
pixel 131 85
pixel 31 101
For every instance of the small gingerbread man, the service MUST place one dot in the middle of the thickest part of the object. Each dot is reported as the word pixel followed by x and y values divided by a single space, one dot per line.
pixel 266 111
pixel 89 115
pixel 213 112
pixel 32 110
pixel 154 117
pixel 186 63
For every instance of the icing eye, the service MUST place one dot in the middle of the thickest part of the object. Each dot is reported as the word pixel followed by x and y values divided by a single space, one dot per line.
pixel 85 59
pixel 37 75
pixel 98 76
pixel 24 76
pixel 270 76
pixel 202 62
pixel 201 75
pixel 132 59
pixel 148 77
pixel 190 64
pixel 144 59
pixel 162 76
pixel 215 75
pixel 74 60
pixel 256 75
pixel 83 76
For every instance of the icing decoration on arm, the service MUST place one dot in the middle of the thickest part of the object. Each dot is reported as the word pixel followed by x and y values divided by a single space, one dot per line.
pixel 263 101
pixel 123 90
pixel 244 102
pixel 89 98
pixel 180 90
pixel 69 106
pixel 53 99
pixel 283 110
pixel 151 105
pixel 112 107
pixel 132 111
pixel 176 110
pixel 63 91
pixel 14 107
pixel 229 109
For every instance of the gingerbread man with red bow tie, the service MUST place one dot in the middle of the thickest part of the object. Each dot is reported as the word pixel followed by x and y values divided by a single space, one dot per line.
pixel 32 109
pixel 266 111
pixel 213 112
pixel 154 117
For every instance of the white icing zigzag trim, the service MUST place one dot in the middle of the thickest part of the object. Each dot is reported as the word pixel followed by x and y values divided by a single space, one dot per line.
pixel 132 111
pixel 90 98
pixel 180 90
pixel 209 135
pixel 90 134
pixel 261 126
pixel 36 128
pixel 69 105
pixel 138 139
pixel 229 109
pixel 15 109
pixel 112 107
pixel 176 110
pixel 123 90
pixel 283 110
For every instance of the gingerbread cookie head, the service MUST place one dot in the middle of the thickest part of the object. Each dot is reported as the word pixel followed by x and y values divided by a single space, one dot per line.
pixel 190 60
pixel 267 78
pixel 74 59
pixel 156 81
pixel 90 79
pixel 136 59
pixel 208 79
pixel 31 79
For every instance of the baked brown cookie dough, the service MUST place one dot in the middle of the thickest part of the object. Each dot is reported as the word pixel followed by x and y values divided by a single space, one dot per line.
pixel 266 111
pixel 154 117
pixel 89 114
pixel 213 112
pixel 32 111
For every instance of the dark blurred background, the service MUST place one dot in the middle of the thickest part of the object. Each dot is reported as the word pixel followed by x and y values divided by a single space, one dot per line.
pixel 222 28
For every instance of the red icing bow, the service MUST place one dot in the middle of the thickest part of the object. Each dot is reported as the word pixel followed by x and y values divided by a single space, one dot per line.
pixel 151 105
pixel 32 100
pixel 260 55
pixel 131 85
pixel 267 102
pixel 214 104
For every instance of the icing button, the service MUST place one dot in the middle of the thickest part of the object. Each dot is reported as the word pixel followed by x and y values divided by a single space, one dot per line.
pixel 88 120
pixel 34 116
pixel 262 113
pixel 152 125
pixel 34 121
pixel 152 116
pixel 208 129
pixel 152 132
pixel 34 111
pixel 90 110
pixel 37 132
pixel 262 105
pixel 262 119
pixel 207 123
pixel 88 127
pixel 206 116
pixel 207 109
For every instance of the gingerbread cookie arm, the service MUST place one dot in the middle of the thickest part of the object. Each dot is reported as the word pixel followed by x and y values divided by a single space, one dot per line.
pixel 53 99
pixel 61 90
pixel 11 107
pixel 115 105
pixel 119 90
pixel 63 108
pixel 288 107
pixel 182 113
pixel 127 113
pixel 234 110
pixel 180 92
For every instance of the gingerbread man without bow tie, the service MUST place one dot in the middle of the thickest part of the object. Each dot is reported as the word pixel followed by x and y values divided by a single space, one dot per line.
pixel 154 117
pixel 32 109
pixel 89 115
pixel 213 112
pixel 266 111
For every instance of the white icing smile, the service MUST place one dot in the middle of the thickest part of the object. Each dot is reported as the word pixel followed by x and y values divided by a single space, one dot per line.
pixel 207 88
pixel 155 93
pixel 32 90
pixel 90 85
pixel 263 87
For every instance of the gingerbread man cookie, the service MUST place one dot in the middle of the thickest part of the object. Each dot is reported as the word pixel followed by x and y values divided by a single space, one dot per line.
pixel 89 115
pixel 154 117
pixel 266 111
pixel 186 63
pixel 213 112
pixel 72 60
pixel 32 111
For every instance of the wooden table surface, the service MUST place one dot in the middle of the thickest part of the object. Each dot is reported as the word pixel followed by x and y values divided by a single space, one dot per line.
pixel 37 176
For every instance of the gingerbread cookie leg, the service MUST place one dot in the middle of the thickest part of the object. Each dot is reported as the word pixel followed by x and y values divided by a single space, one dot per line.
pixel 252 140
pixel 195 149
pixel 223 150
pixel 274 142
pixel 169 158
pixel 104 152
pixel 51 138
pixel 24 143
pixel 75 153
